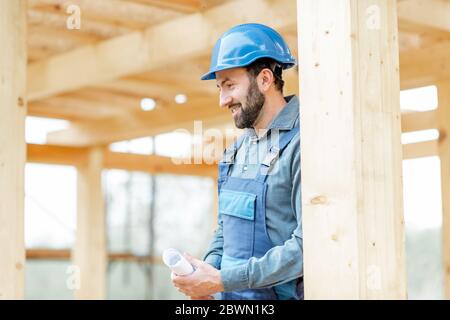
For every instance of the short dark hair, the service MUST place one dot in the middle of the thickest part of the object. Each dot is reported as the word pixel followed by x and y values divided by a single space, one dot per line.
pixel 257 66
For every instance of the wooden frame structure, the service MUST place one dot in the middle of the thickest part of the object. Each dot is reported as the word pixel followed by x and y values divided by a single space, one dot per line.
pixel 126 50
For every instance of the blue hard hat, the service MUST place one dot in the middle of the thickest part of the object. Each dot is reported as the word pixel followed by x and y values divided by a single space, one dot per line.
pixel 246 43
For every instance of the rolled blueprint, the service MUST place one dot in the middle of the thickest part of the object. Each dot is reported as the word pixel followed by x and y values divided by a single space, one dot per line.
pixel 177 262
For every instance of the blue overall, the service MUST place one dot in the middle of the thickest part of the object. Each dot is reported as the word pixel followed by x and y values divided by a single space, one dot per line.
pixel 242 204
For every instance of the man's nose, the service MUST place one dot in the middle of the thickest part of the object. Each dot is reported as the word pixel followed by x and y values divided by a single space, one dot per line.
pixel 225 99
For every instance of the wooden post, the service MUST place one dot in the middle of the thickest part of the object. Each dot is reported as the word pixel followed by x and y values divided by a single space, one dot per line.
pixel 444 154
pixel 90 253
pixel 13 62
pixel 351 152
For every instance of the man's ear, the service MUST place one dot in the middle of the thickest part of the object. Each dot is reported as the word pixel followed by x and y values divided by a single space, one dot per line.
pixel 266 79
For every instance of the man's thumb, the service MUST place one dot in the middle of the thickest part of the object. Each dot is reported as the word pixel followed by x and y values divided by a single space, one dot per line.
pixel 195 262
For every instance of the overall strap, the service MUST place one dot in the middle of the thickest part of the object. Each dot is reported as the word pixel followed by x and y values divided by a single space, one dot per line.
pixel 229 156
pixel 275 152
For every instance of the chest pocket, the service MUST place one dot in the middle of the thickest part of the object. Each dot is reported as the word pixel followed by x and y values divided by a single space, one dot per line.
pixel 237 210
pixel 237 204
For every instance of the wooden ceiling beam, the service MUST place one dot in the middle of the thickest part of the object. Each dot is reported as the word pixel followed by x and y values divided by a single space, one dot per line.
pixel 90 27
pixel 425 66
pixel 155 88
pixel 128 14
pixel 83 112
pixel 428 13
pixel 166 44
pixel 73 105
pixel 184 6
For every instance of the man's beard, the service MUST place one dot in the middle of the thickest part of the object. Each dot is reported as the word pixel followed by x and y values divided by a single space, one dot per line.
pixel 254 103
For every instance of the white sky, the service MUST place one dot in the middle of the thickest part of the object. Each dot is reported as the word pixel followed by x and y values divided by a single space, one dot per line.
pixel 50 207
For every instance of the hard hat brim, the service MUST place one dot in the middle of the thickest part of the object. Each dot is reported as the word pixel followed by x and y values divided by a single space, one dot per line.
pixel 211 75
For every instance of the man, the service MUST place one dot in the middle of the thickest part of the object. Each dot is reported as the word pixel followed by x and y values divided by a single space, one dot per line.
pixel 256 252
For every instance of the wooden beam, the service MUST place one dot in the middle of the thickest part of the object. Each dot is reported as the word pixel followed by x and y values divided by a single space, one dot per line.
pixel 185 6
pixel 153 164
pixel 353 223
pixel 89 27
pixel 156 164
pixel 420 149
pixel 84 111
pixel 416 121
pixel 428 13
pixel 54 41
pixel 13 105
pixel 48 254
pixel 155 89
pixel 57 155
pixel 425 66
pixel 90 247
pixel 64 254
pixel 125 13
pixel 167 43
pixel 77 107
pixel 444 154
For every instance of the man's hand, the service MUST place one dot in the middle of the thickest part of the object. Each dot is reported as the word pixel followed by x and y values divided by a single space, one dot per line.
pixel 202 283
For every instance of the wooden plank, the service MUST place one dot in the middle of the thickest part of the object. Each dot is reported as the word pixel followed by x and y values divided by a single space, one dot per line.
pixel 13 105
pixel 90 252
pixel 429 13
pixel 444 154
pixel 351 150
pixel 420 149
pixel 156 47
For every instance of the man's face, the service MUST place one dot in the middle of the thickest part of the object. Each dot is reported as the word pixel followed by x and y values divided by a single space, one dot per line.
pixel 239 92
